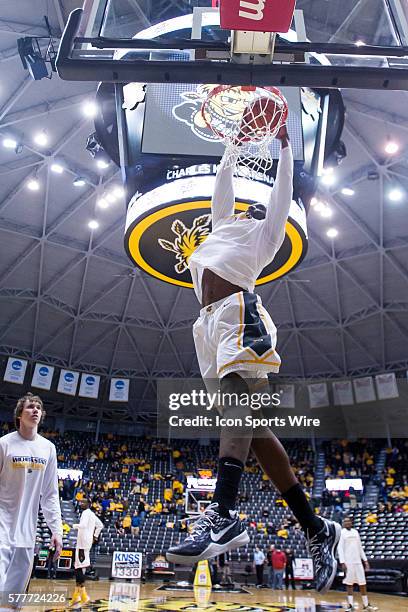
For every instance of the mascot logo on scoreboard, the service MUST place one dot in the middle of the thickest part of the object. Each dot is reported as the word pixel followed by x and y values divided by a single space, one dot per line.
pixel 187 240
pixel 224 106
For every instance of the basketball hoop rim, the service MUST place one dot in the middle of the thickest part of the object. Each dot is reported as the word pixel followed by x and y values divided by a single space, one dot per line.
pixel 222 88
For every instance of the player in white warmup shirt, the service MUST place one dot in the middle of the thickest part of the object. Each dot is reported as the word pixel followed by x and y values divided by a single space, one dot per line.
pixel 352 557
pixel 235 340
pixel 89 528
pixel 28 474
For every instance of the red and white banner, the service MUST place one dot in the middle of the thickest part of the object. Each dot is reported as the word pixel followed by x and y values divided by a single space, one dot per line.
pixel 257 15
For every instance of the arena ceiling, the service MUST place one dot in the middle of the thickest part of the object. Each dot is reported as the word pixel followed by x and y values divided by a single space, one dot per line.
pixel 69 296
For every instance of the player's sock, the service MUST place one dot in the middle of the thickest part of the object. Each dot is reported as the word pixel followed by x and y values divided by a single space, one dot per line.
pixel 297 502
pixel 76 596
pixel 228 479
pixel 350 599
pixel 365 600
pixel 84 595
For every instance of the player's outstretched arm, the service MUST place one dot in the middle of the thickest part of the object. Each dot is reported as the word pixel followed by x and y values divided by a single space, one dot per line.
pixel 281 196
pixel 223 200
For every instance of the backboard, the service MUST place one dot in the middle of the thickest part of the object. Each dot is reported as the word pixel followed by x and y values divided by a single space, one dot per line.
pixel 347 44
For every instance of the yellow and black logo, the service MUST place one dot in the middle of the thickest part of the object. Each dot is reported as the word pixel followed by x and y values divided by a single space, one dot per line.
pixel 162 240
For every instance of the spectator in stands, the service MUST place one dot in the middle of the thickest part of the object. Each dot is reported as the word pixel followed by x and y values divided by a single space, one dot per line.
pixel 65 527
pixel 127 523
pixel 282 532
pixel 279 563
pixel 351 556
pixel 105 505
pixel 119 527
pixel 289 569
pixel 224 563
pixel 372 518
pixel 270 565
pixel 135 525
pixel 259 561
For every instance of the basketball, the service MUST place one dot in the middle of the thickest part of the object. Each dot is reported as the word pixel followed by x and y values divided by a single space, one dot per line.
pixel 264 116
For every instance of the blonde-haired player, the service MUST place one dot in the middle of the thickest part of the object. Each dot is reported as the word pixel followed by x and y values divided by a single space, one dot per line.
pixel 352 556
pixel 28 474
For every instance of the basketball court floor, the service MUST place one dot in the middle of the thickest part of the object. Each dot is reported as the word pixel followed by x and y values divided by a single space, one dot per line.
pixel 126 596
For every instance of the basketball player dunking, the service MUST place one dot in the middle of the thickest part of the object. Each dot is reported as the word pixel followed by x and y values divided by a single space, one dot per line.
pixel 235 341
pixel 28 472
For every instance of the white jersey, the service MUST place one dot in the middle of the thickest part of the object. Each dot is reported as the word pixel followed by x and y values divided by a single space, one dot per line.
pixel 89 526
pixel 28 474
pixel 350 548
pixel 239 248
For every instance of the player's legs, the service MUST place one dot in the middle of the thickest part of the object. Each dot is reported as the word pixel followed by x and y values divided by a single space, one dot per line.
pixel 350 597
pixel 80 596
pixel 323 535
pixel 363 590
pixel 15 571
pixel 219 528
pixel 275 462
pixel 235 443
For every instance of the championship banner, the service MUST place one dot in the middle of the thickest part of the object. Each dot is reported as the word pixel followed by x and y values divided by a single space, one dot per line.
pixel 343 393
pixel 318 395
pixel 119 390
pixel 287 396
pixel 126 564
pixel 68 382
pixel 15 370
pixel 89 386
pixel 364 389
pixel 42 377
pixel 303 569
pixel 386 386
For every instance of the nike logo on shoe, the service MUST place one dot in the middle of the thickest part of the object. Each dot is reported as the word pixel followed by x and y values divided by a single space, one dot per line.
pixel 216 537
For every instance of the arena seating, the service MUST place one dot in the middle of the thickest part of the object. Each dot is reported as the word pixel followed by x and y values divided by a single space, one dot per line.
pixel 152 466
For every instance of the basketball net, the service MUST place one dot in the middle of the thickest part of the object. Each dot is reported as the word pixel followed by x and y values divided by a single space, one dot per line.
pixel 246 119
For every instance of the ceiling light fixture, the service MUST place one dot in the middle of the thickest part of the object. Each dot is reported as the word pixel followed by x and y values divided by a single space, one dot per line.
pixel 119 192
pixel 360 43
pixel 41 139
pixel 328 179
pixel 90 109
pixel 391 147
pixel 332 232
pixel 395 195
pixel 347 191
pixel 102 203
pixel 33 184
pixel 79 182
pixel 57 168
pixel 93 224
pixel 326 212
pixel 10 143
pixel 102 164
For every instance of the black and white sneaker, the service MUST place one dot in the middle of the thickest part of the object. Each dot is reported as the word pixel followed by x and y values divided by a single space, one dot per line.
pixel 323 548
pixel 211 535
pixel 370 608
